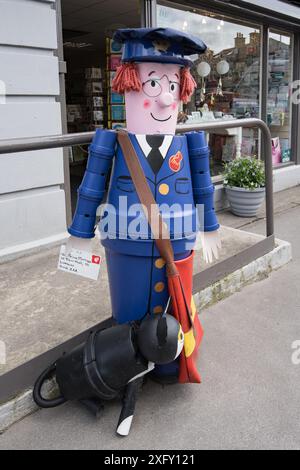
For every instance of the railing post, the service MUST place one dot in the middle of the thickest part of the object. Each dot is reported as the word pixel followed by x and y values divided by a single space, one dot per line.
pixel 267 146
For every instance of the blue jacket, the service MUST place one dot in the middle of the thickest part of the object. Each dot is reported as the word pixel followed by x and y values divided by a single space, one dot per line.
pixel 182 182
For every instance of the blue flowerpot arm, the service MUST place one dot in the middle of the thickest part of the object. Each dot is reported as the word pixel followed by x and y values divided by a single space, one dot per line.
pixel 203 187
pixel 92 189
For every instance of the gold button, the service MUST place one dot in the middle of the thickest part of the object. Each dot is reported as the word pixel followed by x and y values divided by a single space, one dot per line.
pixel 164 189
pixel 160 263
pixel 158 309
pixel 159 287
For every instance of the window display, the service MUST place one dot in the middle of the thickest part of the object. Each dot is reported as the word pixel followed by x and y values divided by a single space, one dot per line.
pixel 228 78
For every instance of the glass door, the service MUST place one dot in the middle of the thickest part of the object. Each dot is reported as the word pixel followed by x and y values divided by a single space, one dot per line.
pixel 279 98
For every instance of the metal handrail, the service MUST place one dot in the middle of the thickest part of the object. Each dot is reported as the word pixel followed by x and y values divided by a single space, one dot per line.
pixel 23 377
pixel 69 140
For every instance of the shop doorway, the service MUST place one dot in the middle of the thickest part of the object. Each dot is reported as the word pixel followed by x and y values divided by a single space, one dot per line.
pixel 91 58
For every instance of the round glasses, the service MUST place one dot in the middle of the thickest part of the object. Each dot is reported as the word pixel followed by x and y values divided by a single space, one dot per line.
pixel 153 87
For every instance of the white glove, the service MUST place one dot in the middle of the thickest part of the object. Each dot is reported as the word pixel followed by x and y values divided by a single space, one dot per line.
pixel 211 244
pixel 83 244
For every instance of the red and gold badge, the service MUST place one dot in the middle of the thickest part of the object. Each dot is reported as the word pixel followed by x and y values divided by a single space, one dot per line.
pixel 175 161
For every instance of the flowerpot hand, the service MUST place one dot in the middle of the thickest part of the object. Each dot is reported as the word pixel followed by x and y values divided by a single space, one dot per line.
pixel 211 245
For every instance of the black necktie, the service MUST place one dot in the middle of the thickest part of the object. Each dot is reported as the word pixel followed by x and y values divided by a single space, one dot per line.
pixel 155 158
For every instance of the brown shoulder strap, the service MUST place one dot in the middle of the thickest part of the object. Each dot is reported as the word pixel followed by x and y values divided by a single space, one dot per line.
pixel 151 210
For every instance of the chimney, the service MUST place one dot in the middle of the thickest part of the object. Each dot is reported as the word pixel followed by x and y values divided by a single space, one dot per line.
pixel 240 41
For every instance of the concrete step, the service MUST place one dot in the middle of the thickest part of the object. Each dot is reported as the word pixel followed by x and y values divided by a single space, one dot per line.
pixel 62 319
pixel 42 307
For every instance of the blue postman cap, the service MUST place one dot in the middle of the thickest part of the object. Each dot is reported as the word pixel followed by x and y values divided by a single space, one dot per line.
pixel 158 45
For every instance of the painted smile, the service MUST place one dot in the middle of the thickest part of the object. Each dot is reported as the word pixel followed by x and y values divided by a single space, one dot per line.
pixel 161 120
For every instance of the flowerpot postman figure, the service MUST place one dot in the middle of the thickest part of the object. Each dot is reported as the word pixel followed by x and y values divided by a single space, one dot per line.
pixel 155 78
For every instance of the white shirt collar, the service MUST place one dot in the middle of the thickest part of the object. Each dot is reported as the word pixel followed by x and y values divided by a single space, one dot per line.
pixel 164 148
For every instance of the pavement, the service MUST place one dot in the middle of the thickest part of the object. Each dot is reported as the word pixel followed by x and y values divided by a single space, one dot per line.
pixel 249 397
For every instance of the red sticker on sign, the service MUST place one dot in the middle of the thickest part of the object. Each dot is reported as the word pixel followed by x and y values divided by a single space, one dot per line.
pixel 175 161
pixel 96 259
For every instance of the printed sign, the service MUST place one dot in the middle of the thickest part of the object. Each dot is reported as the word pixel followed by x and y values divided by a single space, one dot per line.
pixel 81 263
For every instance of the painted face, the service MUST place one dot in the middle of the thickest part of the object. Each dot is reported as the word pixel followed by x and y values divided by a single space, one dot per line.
pixel 154 110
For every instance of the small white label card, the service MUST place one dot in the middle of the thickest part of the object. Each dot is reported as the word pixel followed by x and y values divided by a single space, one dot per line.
pixel 79 262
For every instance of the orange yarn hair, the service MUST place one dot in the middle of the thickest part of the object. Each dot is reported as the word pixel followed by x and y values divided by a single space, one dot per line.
pixel 127 79
pixel 187 85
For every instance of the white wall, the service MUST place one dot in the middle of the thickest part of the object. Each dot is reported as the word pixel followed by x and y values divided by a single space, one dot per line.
pixel 32 203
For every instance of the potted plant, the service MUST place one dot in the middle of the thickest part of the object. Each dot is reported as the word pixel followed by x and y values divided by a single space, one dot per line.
pixel 244 182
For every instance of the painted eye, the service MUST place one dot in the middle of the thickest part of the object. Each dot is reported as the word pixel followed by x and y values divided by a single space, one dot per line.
pixel 174 89
pixel 180 335
pixel 152 88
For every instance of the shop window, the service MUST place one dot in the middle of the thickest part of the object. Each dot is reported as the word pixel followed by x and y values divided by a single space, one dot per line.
pixel 92 58
pixel 228 78
pixel 279 103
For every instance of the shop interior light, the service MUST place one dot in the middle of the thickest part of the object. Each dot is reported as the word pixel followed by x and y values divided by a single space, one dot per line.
pixel 204 21
pixel 222 23
pixel 77 45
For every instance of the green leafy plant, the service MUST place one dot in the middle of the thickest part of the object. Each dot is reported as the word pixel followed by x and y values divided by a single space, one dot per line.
pixel 245 172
